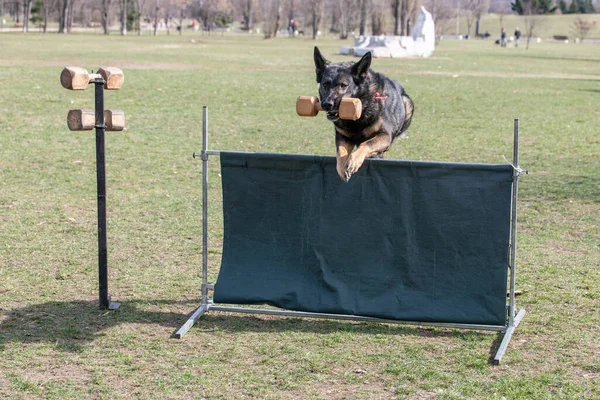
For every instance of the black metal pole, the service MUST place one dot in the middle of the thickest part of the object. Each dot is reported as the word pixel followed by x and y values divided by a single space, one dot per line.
pixel 101 183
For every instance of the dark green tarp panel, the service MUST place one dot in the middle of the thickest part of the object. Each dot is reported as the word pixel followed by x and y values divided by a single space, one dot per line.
pixel 402 240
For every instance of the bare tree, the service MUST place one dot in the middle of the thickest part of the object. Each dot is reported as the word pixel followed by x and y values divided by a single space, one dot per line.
pixel 481 8
pixel 316 9
pixel 364 8
pixel 379 13
pixel 63 21
pixel 272 13
pixel 104 14
pixel 49 6
pixel 347 16
pixel 469 17
pixel 396 9
pixel 581 27
pixel 123 16
pixel 532 20
pixel 247 7
pixel 26 14
pixel 70 16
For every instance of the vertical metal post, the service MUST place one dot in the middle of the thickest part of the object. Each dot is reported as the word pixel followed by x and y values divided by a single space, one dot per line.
pixel 513 233
pixel 104 298
pixel 204 205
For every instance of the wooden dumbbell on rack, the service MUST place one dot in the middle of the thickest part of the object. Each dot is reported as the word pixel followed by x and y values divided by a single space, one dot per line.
pixel 85 120
pixel 309 106
pixel 77 78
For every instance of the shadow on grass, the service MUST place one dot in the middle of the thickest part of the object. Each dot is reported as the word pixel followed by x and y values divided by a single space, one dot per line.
pixel 70 325
pixel 232 323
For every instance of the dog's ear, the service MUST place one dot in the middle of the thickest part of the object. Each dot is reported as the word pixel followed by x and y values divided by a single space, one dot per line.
pixel 360 69
pixel 320 64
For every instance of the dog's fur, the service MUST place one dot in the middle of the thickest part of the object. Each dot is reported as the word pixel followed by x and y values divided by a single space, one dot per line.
pixel 386 110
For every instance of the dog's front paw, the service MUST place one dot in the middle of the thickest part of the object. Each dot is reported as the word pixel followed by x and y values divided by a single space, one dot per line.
pixel 341 170
pixel 353 165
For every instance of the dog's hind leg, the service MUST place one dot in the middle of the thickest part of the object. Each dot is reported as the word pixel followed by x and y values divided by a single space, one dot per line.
pixel 409 109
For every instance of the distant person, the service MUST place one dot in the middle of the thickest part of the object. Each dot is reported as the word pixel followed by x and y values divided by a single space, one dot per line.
pixel 517 36
pixel 503 38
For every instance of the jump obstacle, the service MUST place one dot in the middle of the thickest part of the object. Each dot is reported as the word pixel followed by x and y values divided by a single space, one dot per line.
pixel 109 78
pixel 404 242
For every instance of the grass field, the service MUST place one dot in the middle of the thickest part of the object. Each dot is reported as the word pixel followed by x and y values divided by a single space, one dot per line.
pixel 56 344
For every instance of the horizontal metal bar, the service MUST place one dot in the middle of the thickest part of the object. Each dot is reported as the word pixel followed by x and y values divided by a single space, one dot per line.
pixel 191 321
pixel 209 286
pixel 304 314
pixel 507 336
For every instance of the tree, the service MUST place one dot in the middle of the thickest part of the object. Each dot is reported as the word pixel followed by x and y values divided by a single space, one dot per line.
pixel 104 11
pixel 577 7
pixel 347 13
pixel 26 14
pixel 364 6
pixel 378 16
pixel 36 16
pixel 396 8
pixel 582 27
pixel 532 18
pixel 477 9
pixel 123 16
pixel 65 18
pixel 533 7
pixel 247 7
pixel 316 10
pixel 49 6
pixel 272 17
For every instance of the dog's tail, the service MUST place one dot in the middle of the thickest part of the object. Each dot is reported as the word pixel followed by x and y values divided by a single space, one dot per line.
pixel 409 108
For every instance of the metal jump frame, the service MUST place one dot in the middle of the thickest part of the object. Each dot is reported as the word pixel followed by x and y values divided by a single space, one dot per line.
pixel 514 317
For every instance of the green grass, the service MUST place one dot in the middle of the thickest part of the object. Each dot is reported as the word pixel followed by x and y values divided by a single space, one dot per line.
pixel 56 344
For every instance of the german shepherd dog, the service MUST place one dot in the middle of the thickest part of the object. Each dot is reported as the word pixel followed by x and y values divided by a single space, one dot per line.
pixel 386 110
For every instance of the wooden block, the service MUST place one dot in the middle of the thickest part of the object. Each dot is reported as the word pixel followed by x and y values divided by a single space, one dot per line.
pixel 114 120
pixel 113 77
pixel 350 109
pixel 81 120
pixel 74 78
pixel 307 106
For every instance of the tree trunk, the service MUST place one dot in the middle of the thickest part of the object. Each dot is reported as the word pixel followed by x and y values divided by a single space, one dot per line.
pixel 247 15
pixel 64 15
pixel 167 16
pixel 123 17
pixel 26 14
pixel 70 16
pixel 277 17
pixel 363 17
pixel 343 20
pixel 404 18
pixel 396 8
pixel 138 17
pixel 156 18
pixel 45 17
pixel 104 14
pixel 477 26
pixel 181 22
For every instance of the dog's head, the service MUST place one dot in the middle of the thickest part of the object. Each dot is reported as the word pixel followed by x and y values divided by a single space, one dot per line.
pixel 339 80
